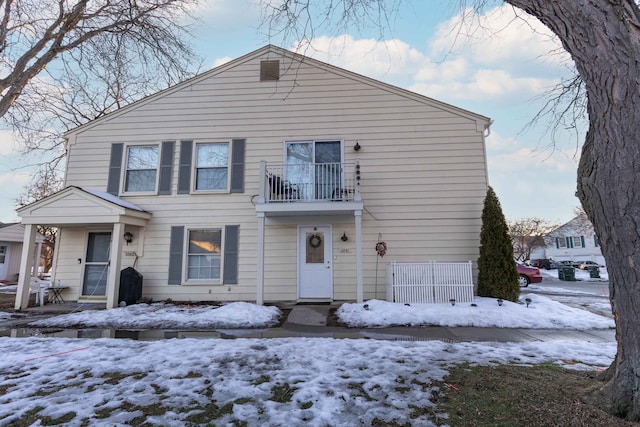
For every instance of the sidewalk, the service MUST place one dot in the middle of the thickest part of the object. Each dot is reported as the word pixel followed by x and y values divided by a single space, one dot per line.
pixel 311 321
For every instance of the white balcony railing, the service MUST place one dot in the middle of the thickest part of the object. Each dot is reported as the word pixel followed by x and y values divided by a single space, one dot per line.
pixel 311 182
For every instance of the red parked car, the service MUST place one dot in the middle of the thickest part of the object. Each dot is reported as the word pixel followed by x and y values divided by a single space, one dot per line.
pixel 528 275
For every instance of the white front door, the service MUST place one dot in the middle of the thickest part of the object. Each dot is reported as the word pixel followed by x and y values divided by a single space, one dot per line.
pixel 4 261
pixel 315 267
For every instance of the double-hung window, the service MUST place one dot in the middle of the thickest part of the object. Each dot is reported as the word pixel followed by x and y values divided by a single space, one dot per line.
pixel 203 254
pixel 142 167
pixel 577 242
pixel 212 167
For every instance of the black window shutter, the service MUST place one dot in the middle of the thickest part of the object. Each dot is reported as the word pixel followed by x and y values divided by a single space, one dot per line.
pixel 166 167
pixel 557 244
pixel 115 163
pixel 231 236
pixel 237 165
pixel 176 246
pixel 582 240
pixel 184 173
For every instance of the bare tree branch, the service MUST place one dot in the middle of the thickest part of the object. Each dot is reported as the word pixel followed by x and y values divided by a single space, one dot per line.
pixel 35 33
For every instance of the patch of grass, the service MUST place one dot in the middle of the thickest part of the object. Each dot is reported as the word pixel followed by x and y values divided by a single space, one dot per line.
pixel 31 417
pixel 261 380
pixel 114 378
pixel 155 409
pixel 361 391
pixel 507 395
pixel 377 422
pixel 243 400
pixel 306 405
pixel 209 412
pixel 282 393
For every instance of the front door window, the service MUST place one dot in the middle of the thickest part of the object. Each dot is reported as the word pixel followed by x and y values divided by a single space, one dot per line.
pixel 96 268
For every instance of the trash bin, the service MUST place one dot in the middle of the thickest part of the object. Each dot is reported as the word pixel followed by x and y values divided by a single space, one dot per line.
pixel 130 286
pixel 567 274
pixel 594 272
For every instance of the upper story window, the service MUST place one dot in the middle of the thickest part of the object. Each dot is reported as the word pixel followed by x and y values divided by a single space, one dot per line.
pixel 212 166
pixel 141 169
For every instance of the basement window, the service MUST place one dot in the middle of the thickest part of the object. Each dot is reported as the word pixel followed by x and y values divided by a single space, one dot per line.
pixel 269 70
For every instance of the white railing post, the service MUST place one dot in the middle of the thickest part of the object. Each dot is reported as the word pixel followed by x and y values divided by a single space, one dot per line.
pixel 262 196
pixel 390 284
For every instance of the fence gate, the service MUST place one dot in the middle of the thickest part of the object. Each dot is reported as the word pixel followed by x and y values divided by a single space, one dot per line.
pixel 429 282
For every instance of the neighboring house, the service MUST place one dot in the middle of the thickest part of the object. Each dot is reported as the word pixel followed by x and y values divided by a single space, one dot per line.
pixel 11 236
pixel 573 241
pixel 269 178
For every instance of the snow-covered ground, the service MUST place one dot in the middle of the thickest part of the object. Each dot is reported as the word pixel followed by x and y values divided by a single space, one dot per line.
pixel 290 381
pixel 542 312
pixel 293 381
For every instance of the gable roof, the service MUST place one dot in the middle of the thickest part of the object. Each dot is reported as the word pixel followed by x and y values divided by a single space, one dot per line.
pixel 75 205
pixel 14 232
pixel 483 122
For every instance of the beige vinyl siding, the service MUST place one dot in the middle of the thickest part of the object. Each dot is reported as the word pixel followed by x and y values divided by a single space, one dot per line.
pixel 422 163
pixel 14 253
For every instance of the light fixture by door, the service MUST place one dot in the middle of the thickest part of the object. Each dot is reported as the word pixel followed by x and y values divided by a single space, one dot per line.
pixel 128 237
pixel 344 237
pixel 357 147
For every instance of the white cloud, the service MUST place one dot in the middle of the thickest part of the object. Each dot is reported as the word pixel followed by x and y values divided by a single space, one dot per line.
pixel 12 184
pixel 379 59
pixel 498 56
pixel 503 36
pixel 7 143
pixel 222 17
pixel 220 61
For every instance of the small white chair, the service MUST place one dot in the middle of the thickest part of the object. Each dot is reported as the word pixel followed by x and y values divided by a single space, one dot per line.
pixel 39 287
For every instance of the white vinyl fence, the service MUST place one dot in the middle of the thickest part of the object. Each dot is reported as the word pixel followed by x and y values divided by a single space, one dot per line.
pixel 429 282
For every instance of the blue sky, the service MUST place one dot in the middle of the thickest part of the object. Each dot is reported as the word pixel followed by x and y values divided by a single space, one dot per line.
pixel 495 65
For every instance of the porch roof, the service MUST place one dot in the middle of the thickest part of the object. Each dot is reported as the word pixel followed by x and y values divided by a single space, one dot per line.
pixel 78 206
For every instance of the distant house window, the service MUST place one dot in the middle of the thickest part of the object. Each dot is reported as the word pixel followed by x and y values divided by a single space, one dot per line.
pixel 562 242
pixel 203 254
pixel 269 70
pixel 212 166
pixel 577 242
pixel 142 166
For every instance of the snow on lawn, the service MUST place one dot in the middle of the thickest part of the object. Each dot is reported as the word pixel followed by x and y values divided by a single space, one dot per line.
pixel 293 381
pixel 168 316
pixel 543 313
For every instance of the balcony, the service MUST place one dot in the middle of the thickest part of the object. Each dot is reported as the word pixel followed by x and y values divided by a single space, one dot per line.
pixel 309 188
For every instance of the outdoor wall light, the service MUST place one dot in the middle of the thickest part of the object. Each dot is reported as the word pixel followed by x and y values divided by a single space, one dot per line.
pixel 357 147
pixel 128 237
pixel 344 237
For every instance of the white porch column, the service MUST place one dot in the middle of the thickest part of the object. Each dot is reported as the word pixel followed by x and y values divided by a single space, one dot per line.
pixel 260 265
pixel 26 262
pixel 113 281
pixel 359 289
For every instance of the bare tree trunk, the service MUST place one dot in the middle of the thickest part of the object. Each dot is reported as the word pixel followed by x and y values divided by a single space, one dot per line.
pixel 603 37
